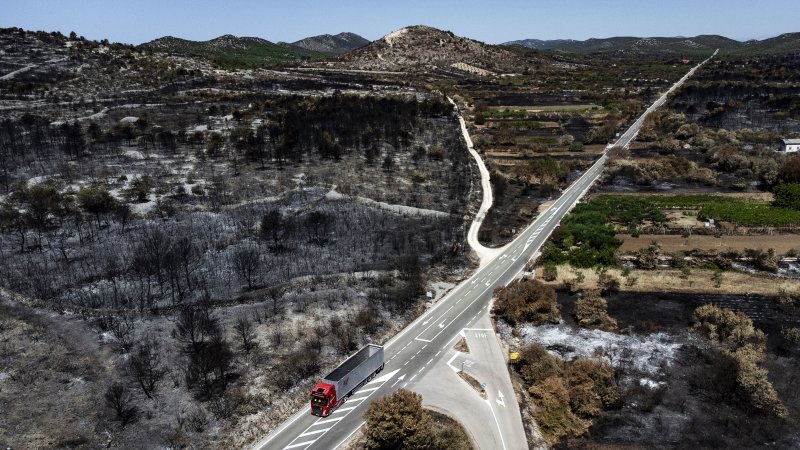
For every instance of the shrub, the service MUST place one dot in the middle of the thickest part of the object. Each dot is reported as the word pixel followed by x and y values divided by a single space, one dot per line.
pixel 792 336
pixel 536 364
pixel 550 272
pixel 787 195
pixel 527 301
pixel 553 413
pixel 746 346
pixel 398 421
pixel 754 384
pixel 591 387
pixel 731 328
pixel 591 311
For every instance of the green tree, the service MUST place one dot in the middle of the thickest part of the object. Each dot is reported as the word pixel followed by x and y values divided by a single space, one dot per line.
pixel 787 195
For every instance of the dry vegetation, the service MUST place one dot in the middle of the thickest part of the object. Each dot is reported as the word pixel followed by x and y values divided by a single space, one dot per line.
pixel 399 421
pixel 527 301
pixel 208 227
pixel 673 280
pixel 745 344
pixel 591 311
pixel 567 395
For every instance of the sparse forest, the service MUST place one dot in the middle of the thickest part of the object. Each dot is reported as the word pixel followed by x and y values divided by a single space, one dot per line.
pixel 209 229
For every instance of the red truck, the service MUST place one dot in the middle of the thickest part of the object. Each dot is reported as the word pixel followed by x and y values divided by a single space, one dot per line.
pixel 335 387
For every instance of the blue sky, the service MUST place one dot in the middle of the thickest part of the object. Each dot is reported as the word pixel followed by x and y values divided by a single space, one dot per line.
pixel 137 21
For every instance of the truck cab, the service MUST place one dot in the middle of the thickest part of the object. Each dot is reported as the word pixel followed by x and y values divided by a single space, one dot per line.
pixel 323 399
pixel 354 372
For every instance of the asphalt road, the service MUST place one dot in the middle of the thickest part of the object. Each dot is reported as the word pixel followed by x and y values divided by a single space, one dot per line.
pixel 410 354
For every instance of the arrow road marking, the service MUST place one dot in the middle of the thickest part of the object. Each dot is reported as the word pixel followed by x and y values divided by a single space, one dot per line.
pixel 399 379
pixel 499 399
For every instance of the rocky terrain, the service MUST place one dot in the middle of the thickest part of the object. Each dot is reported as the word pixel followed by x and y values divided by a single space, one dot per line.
pixel 425 49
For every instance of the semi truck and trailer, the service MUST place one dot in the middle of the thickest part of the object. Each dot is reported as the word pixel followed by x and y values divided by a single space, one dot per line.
pixel 354 372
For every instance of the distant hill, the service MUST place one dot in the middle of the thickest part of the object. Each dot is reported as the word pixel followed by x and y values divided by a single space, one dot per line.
pixel 785 43
pixel 677 46
pixel 421 48
pixel 233 51
pixel 332 44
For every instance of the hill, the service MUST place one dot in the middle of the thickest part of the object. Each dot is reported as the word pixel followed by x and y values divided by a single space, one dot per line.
pixel 233 52
pixel 635 46
pixel 422 48
pixel 785 43
pixel 332 44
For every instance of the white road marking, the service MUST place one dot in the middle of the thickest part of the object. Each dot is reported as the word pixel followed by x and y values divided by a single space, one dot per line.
pixel 339 445
pixel 301 444
pixel 332 419
pixel 399 379
pixel 499 431
pixel 314 432
pixel 499 399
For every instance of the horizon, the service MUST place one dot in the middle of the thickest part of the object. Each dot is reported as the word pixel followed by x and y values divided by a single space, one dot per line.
pixel 511 21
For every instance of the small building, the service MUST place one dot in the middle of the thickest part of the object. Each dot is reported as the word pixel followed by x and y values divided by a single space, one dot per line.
pixel 790 146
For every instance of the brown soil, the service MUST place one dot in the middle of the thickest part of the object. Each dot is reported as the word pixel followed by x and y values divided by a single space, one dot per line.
pixel 698 281
pixel 683 218
pixel 781 243
pixel 765 197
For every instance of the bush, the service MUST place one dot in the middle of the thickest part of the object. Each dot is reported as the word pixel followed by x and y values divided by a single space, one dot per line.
pixel 398 421
pixel 550 272
pixel 527 301
pixel 754 384
pixel 553 413
pixel 731 328
pixel 536 364
pixel 567 395
pixel 787 195
pixel 591 311
pixel 746 345
pixel 792 336
pixel 591 387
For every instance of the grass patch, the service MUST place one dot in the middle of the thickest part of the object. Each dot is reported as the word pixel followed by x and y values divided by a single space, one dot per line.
pixel 506 114
pixel 568 108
